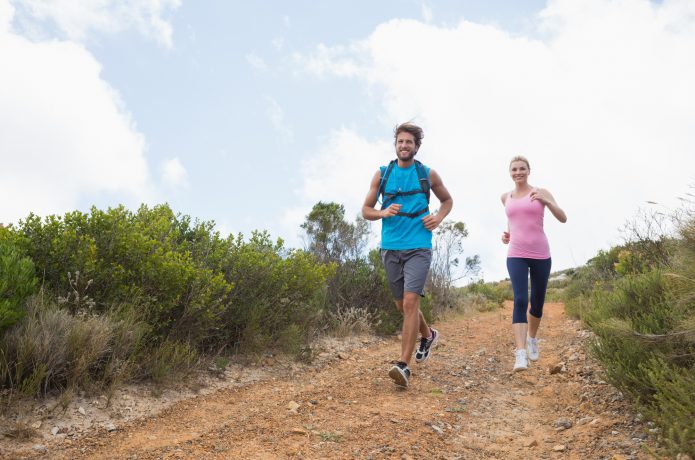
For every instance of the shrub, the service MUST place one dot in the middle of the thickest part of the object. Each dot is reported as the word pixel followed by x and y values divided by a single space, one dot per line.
pixel 17 282
pixel 639 299
pixel 167 362
pixel 52 349
pixel 484 296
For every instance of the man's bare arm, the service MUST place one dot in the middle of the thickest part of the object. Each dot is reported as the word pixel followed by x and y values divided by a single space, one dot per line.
pixel 432 221
pixel 368 211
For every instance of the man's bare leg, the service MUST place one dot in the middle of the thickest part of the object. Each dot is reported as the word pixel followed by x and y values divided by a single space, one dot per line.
pixel 413 320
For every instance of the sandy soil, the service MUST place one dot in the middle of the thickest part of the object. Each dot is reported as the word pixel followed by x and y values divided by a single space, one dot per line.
pixel 463 403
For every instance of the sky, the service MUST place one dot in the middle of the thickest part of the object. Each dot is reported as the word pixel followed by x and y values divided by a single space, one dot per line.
pixel 249 113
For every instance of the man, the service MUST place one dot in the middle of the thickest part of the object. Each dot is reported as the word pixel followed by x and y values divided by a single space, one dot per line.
pixel 406 238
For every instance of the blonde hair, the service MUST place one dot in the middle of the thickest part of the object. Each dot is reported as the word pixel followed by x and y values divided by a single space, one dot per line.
pixel 520 158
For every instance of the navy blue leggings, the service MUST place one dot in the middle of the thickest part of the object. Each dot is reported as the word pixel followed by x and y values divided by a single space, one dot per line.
pixel 519 269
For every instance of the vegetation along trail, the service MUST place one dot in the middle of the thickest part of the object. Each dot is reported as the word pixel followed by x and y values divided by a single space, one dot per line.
pixel 463 403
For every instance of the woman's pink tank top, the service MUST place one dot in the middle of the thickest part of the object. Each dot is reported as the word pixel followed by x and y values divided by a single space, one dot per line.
pixel 527 238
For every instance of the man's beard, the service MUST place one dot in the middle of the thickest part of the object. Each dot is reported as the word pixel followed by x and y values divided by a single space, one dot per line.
pixel 406 156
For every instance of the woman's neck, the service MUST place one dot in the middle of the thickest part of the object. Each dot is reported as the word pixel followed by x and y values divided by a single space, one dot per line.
pixel 522 188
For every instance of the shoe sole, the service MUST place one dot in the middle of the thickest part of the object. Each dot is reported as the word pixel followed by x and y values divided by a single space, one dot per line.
pixel 519 369
pixel 398 377
pixel 434 344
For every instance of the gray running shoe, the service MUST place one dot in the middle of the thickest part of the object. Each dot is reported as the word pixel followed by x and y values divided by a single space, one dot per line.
pixel 400 374
pixel 426 345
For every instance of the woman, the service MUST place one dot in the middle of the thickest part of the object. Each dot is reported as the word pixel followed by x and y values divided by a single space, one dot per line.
pixel 528 253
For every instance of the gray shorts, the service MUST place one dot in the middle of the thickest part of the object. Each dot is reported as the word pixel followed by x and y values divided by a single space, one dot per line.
pixel 406 270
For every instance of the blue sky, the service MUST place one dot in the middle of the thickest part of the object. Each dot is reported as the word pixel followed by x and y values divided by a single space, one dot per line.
pixel 247 113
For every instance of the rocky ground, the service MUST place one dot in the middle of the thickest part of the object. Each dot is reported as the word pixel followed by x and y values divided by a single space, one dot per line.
pixel 463 403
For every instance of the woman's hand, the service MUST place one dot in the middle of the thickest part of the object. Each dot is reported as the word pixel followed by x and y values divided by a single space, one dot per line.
pixel 505 237
pixel 541 195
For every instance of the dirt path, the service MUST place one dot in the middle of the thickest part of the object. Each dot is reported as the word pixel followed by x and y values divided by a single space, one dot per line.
pixel 463 403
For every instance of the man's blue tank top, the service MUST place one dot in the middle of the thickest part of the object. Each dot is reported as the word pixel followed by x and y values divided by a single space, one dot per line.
pixel 399 232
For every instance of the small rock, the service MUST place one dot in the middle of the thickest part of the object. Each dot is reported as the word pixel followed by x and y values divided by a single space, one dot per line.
pixel 683 457
pixel 110 427
pixel 530 443
pixel 299 431
pixel 564 423
pixel 618 457
pixel 584 421
pixel 36 425
pixel 39 448
pixel 293 406
pixel 342 355
pixel 559 448
pixel 55 430
pixel 81 410
pixel 555 369
pixel 594 422
pixel 437 430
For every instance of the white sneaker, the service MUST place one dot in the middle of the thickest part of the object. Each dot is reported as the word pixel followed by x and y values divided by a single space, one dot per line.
pixel 521 363
pixel 532 348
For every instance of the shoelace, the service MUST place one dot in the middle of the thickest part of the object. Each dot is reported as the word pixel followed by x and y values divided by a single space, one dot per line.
pixel 423 344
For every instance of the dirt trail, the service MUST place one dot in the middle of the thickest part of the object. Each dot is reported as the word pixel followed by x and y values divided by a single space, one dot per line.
pixel 463 403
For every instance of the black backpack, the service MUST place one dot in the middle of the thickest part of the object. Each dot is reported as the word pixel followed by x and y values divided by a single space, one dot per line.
pixel 424 188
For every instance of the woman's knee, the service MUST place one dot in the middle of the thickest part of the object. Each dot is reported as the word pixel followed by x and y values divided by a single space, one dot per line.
pixel 520 308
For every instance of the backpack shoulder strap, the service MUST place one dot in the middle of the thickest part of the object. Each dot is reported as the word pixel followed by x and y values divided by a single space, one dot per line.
pixel 385 177
pixel 424 179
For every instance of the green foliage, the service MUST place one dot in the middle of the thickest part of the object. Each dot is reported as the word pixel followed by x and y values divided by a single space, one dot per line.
pixel 357 289
pixel 170 360
pixel 330 237
pixel 674 405
pixel 482 296
pixel 193 292
pixel 17 282
pixel 274 288
pixel 639 299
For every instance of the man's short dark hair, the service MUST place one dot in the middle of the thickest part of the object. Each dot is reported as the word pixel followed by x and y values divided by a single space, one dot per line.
pixel 411 128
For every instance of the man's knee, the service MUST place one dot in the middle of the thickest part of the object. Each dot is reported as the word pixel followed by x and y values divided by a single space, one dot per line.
pixel 411 302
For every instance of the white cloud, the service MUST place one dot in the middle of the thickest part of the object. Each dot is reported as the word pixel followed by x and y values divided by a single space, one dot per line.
pixel 277 119
pixel 278 43
pixel 78 19
pixel 256 61
pixel 603 106
pixel 64 133
pixel 341 172
pixel 174 174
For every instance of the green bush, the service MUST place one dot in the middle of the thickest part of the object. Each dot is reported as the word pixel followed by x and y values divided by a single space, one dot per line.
pixel 168 361
pixel 484 296
pixel 639 299
pixel 273 288
pixel 674 405
pixel 17 282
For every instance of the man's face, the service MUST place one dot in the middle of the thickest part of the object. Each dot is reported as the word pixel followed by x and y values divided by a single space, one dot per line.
pixel 405 146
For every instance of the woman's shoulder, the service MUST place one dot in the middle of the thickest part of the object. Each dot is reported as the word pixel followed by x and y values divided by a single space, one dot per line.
pixel 504 197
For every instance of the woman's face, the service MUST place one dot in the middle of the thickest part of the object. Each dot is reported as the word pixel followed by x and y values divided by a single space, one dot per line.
pixel 519 172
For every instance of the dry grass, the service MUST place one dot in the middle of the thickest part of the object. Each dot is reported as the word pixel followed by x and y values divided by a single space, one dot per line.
pixel 347 321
